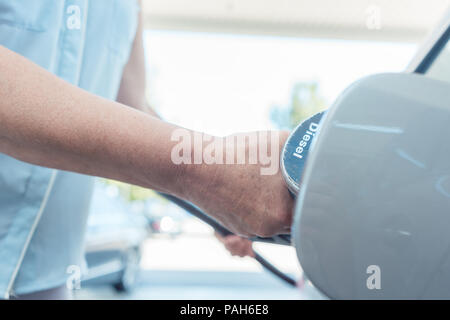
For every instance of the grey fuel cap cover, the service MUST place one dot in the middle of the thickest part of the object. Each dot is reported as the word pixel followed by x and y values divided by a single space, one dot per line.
pixel 375 196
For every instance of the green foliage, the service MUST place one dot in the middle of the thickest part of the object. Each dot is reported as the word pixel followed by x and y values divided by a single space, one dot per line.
pixel 132 193
pixel 305 101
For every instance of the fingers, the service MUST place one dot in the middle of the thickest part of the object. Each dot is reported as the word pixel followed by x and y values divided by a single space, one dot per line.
pixel 243 197
pixel 237 246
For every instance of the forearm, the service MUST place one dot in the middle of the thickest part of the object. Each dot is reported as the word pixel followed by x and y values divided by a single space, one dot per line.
pixel 132 88
pixel 133 84
pixel 48 122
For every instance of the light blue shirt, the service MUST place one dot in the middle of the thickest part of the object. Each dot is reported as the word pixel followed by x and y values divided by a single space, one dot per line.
pixel 43 212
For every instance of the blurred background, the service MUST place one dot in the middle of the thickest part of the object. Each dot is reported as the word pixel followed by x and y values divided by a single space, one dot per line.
pixel 221 67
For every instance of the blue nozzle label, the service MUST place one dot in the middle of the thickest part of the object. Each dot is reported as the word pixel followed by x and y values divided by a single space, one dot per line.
pixel 296 148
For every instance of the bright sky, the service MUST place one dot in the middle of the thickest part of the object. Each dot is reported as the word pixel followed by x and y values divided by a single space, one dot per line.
pixel 222 84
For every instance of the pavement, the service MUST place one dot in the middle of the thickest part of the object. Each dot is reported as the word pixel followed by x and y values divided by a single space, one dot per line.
pixel 196 266
pixel 198 285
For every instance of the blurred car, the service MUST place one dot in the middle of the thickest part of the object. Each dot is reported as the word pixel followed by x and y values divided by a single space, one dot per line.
pixel 164 217
pixel 164 225
pixel 113 240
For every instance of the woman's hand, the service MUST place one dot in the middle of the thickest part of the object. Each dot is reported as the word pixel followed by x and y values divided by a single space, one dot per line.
pixel 240 196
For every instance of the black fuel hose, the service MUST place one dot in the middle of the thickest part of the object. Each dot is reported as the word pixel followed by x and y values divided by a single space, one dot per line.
pixel 280 239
